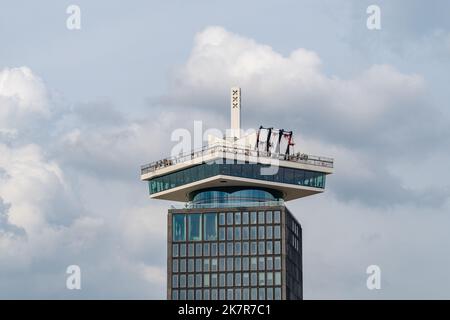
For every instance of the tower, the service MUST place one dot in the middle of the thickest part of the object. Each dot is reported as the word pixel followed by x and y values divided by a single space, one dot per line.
pixel 235 238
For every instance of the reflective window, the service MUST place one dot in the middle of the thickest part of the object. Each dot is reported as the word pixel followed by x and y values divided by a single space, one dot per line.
pixel 276 217
pixel 179 227
pixel 277 249
pixel 213 249
pixel 237 279
pixel 245 263
pixel 195 227
pixel 229 218
pixel 214 294
pixel 198 280
pixel 269 217
pixel 198 249
pixel 230 294
pixel 277 263
pixel 269 279
pixel 278 278
pixel 244 217
pixel 229 279
pixel 253 279
pixel 269 249
pixel 230 247
pixel 182 265
pixel 237 233
pixel 245 279
pixel 230 264
pixel 253 263
pixel 222 218
pixel 206 249
pixel 237 294
pixel 191 249
pixel 221 233
pixel 182 281
pixel 222 264
pixel 174 265
pixel 221 249
pixel 198 294
pixel 253 249
pixel 222 294
pixel 276 232
pixel 210 226
pixel 175 250
pixel 269 232
pixel 221 279
pixel 261 279
pixel 237 218
pixel 206 265
pixel 237 264
pixel 230 233
pixel 261 215
pixel 269 263
pixel 198 265
pixel 245 294
pixel 175 281
pixel 182 294
pixel 183 250
pixel 253 217
pixel 174 294
pixel 214 280
pixel 206 295
pixel 190 295
pixel 261 294
pixel 269 293
pixel 253 233
pixel 206 280
pixel 261 233
pixel 261 247
pixel 245 248
pixel 214 264
pixel 245 234
pixel 191 265
pixel 190 280
pixel 237 248
pixel 261 263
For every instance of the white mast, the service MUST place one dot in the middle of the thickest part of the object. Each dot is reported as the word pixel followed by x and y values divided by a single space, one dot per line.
pixel 236 112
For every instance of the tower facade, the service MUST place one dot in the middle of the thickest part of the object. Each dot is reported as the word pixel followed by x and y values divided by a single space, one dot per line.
pixel 235 238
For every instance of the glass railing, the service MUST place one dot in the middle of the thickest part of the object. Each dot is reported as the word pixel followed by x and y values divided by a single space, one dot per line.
pixel 191 205
pixel 226 151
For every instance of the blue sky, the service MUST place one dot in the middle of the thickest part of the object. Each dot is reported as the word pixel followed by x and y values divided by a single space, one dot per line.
pixel 81 110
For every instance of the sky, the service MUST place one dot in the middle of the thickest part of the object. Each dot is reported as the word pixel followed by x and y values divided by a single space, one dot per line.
pixel 81 110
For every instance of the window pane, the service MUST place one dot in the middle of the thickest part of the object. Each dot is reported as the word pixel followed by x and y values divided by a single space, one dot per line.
pixel 230 264
pixel 206 294
pixel 276 217
pixel 191 248
pixel 175 250
pixel 269 217
pixel 221 233
pixel 261 247
pixel 183 281
pixel 222 218
pixel 245 294
pixel 269 249
pixel 222 280
pixel 198 280
pixel 253 248
pixel 198 265
pixel 253 263
pixel 245 279
pixel 183 250
pixel 261 233
pixel 221 249
pixel 253 233
pixel 206 249
pixel 244 217
pixel 269 278
pixel 245 235
pixel 261 294
pixel 175 281
pixel 213 249
pixel 230 233
pixel 276 232
pixel 277 263
pixel 191 281
pixel 269 263
pixel 206 280
pixel 175 265
pixel 237 264
pixel 245 248
pixel 237 233
pixel 191 265
pixel 198 249
pixel 269 232
pixel 277 278
pixel 179 227
pixel 253 217
pixel 261 279
pixel 237 218
pixel 277 249
pixel 230 248
pixel 222 264
pixel 229 279
pixel 237 248
pixel 214 264
pixel 195 227
pixel 214 280
pixel 261 217
pixel 182 265
pixel 245 263
pixel 253 279
pixel 206 265
pixel 229 218
pixel 210 226
pixel 261 263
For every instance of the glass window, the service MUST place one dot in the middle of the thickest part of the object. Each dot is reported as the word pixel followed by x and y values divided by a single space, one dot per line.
pixel 175 281
pixel 277 232
pixel 198 249
pixel 253 248
pixel 261 294
pixel 230 294
pixel 206 294
pixel 174 294
pixel 179 227
pixel 269 217
pixel 221 279
pixel 198 280
pixel 261 215
pixel 214 264
pixel 237 218
pixel 222 264
pixel 261 233
pixel 245 279
pixel 183 250
pixel 237 248
pixel 206 249
pixel 222 218
pixel 261 247
pixel 269 232
pixel 277 249
pixel 198 265
pixel 245 294
pixel 245 247
pixel 213 279
pixel 277 263
pixel 269 279
pixel 198 294
pixel 206 265
pixel 230 233
pixel 245 235
pixel 191 265
pixel 253 279
pixel 237 233
pixel 269 293
pixel 269 248
pixel 253 217
pixel 214 294
pixel 237 264
pixel 182 281
pixel 253 263
pixel 244 217
pixel 221 249
pixel 206 280
pixel 222 294
pixel 245 263
pixel 229 279
pixel 229 218
pixel 230 264
pixel 278 278
pixel 174 265
pixel 210 226
pixel 190 280
pixel 237 279
pixel 213 249
pixel 230 248
pixel 253 233
pixel 276 217
pixel 191 249
pixel 182 265
pixel 221 233
pixel 261 263
pixel 269 263
pixel 261 279
pixel 175 250
pixel 237 294
pixel 195 227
